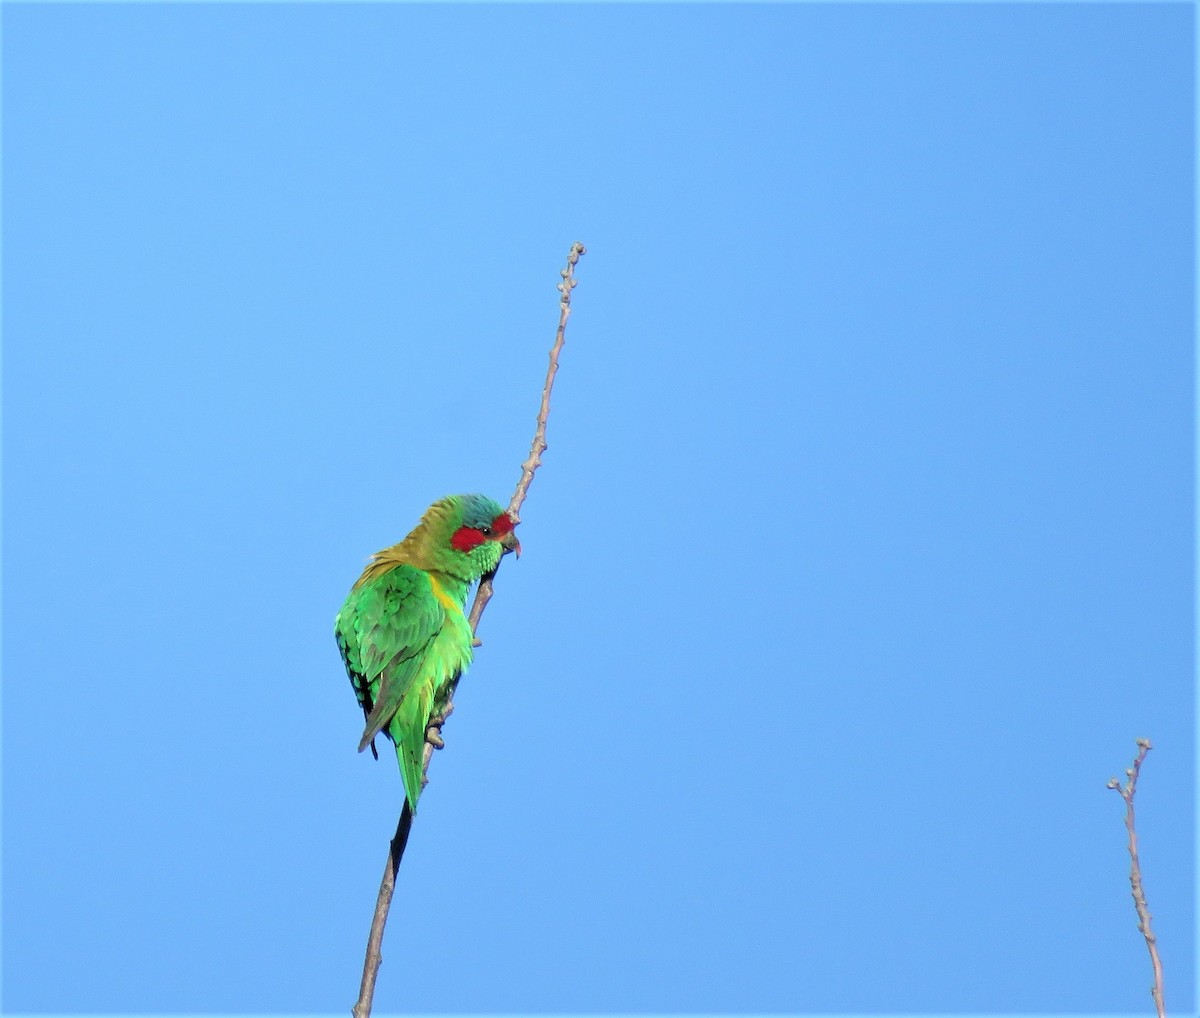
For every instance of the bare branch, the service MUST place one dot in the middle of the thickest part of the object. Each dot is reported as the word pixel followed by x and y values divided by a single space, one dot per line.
pixel 366 989
pixel 483 594
pixel 1127 792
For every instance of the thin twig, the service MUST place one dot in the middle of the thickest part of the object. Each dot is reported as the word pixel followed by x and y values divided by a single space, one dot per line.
pixel 483 594
pixel 1127 792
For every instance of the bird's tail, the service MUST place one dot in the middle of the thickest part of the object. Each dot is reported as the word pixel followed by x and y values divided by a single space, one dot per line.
pixel 408 729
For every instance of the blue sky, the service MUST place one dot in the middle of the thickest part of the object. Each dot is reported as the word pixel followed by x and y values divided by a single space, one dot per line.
pixel 862 552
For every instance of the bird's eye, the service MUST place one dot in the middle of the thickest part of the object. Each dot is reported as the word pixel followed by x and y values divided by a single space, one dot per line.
pixel 486 531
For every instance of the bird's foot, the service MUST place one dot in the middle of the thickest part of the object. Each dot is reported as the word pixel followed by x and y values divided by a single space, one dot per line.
pixel 433 730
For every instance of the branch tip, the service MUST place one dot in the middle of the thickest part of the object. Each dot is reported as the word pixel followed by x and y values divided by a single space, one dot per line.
pixel 1127 792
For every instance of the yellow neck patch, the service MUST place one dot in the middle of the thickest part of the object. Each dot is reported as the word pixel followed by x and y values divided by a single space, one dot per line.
pixel 444 599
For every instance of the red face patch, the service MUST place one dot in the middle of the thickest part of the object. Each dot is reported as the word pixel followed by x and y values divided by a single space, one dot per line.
pixel 502 525
pixel 469 538
pixel 466 538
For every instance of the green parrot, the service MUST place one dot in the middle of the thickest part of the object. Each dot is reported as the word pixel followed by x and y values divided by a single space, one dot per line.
pixel 402 632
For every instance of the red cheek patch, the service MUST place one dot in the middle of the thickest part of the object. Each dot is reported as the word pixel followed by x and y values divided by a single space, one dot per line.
pixel 466 538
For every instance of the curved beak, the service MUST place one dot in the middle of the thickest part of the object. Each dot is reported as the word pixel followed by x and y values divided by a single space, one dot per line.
pixel 509 543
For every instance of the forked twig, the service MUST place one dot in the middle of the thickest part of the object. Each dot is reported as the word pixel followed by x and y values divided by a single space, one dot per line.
pixel 1127 792
pixel 374 956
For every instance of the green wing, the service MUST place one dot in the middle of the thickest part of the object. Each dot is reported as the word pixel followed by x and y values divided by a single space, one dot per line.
pixel 386 631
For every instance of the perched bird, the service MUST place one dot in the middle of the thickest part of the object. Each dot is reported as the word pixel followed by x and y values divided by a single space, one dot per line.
pixel 402 632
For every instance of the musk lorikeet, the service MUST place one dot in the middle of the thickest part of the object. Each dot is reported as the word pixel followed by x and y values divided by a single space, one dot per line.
pixel 402 632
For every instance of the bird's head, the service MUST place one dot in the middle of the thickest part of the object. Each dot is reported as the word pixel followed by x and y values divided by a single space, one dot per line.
pixel 470 534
